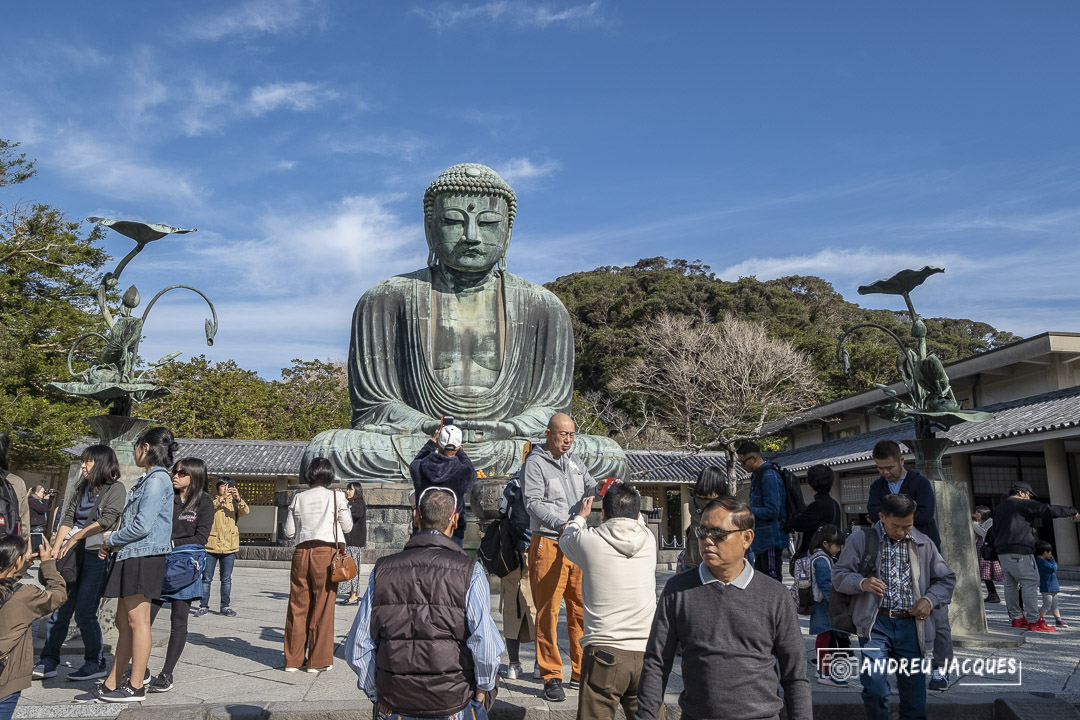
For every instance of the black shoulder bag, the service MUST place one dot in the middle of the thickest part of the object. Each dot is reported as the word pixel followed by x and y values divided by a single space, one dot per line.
pixel 842 605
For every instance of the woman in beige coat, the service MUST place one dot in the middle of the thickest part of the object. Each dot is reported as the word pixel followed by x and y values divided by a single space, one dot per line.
pixel 223 544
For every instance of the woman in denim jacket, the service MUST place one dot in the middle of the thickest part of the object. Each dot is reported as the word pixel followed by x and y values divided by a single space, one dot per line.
pixel 138 572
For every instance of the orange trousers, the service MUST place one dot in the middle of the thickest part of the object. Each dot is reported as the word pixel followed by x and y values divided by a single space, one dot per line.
pixel 553 577
pixel 309 625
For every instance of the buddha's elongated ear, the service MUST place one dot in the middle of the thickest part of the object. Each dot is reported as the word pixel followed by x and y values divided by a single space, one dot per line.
pixel 432 258
pixel 502 259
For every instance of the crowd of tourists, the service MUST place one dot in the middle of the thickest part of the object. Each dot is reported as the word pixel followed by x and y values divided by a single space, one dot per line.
pixel 424 643
pixel 158 542
pixel 884 584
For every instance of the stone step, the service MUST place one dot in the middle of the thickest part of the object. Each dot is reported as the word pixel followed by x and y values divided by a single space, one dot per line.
pixel 835 706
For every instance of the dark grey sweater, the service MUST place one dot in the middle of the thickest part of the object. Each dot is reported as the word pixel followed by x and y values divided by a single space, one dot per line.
pixel 731 640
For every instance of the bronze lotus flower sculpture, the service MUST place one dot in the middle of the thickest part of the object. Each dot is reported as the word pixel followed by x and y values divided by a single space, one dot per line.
pixel 114 379
pixel 932 405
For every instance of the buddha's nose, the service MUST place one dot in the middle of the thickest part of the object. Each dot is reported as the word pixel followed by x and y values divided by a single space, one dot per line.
pixel 472 231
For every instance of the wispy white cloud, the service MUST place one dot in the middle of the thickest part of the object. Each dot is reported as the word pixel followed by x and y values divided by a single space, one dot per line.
pixel 523 169
pixel 401 144
pixel 299 96
pixel 517 13
pixel 286 165
pixel 80 57
pixel 143 89
pixel 118 171
pixel 355 243
pixel 865 263
pixel 258 17
pixel 206 106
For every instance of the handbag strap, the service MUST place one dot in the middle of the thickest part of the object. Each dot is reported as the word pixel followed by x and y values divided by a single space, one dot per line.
pixel 336 520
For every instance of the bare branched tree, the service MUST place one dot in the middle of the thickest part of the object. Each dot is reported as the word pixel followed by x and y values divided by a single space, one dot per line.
pixel 715 385
pixel 598 412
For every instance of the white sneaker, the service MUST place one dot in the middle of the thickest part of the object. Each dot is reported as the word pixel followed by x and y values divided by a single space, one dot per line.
pixel 513 671
pixel 319 670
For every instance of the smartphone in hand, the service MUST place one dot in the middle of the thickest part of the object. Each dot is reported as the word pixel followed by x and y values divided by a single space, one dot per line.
pixel 36 539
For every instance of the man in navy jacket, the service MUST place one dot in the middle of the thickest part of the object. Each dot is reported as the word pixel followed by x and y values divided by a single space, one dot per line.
pixel 768 503
pixel 895 479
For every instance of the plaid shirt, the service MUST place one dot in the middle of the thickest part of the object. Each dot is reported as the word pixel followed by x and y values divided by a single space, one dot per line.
pixel 896 572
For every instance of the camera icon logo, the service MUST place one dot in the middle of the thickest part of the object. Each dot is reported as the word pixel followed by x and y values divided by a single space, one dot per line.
pixel 844 668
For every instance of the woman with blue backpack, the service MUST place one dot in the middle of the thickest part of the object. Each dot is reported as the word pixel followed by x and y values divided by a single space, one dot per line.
pixel 193 517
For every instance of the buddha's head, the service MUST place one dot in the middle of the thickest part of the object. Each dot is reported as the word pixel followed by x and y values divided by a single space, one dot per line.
pixel 468 218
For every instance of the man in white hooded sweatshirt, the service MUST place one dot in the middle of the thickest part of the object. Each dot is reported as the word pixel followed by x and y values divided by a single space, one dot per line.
pixel 618 589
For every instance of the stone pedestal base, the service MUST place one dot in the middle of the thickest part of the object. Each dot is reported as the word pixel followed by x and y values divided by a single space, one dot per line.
pixel 952 511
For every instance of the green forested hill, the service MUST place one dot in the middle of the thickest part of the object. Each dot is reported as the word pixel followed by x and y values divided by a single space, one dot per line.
pixel 609 305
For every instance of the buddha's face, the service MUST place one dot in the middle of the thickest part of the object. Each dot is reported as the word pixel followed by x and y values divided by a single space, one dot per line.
pixel 469 233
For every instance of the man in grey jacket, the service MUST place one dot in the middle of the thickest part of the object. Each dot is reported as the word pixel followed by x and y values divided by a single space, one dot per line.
pixel 554 482
pixel 892 613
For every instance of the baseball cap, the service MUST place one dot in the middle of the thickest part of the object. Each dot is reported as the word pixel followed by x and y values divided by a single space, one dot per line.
pixel 449 436
pixel 1020 485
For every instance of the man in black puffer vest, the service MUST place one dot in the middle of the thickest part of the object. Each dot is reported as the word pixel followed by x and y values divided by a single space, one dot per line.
pixel 411 645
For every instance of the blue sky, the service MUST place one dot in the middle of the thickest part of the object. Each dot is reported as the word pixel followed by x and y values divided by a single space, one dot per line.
pixel 842 139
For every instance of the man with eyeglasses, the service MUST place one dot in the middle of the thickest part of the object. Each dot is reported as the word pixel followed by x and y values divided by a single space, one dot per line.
pixel 896 606
pixel 423 644
pixel 897 479
pixel 554 483
pixel 734 626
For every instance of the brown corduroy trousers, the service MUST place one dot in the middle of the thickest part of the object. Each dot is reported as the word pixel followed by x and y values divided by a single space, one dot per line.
pixel 553 579
pixel 309 625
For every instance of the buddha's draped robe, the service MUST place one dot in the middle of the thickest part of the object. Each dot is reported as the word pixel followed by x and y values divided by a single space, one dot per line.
pixel 394 388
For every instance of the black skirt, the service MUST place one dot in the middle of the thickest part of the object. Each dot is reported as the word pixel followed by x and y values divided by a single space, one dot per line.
pixel 136 576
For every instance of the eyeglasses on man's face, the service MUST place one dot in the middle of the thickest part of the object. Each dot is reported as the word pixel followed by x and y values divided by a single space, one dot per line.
pixel 717 535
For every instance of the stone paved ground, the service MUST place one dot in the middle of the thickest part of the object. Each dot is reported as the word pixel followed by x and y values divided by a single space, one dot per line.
pixel 238 661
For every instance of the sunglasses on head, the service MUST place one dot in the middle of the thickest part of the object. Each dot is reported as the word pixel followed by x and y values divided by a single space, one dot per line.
pixel 440 489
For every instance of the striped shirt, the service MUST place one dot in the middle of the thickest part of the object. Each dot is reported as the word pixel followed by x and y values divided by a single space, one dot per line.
pixel 485 642
pixel 896 572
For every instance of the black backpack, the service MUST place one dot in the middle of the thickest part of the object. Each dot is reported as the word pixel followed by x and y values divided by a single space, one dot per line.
pixel 841 605
pixel 794 504
pixel 498 551
pixel 10 519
